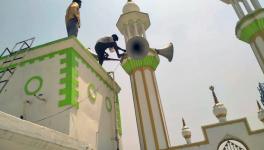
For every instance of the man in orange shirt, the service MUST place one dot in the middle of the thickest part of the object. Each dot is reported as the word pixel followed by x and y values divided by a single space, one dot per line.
pixel 72 18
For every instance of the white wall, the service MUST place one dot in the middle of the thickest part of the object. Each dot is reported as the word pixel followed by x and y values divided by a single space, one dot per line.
pixel 13 101
pixel 92 122
pixel 236 130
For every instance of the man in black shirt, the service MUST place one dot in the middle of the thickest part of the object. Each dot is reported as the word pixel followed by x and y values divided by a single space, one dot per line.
pixel 104 43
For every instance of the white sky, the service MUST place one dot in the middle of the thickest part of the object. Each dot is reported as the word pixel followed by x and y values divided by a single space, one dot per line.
pixel 206 52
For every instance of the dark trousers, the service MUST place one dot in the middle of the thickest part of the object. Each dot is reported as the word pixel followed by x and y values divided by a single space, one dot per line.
pixel 72 27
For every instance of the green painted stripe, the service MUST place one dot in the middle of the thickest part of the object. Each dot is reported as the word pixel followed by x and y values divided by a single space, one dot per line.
pixel 132 64
pixel 118 115
pixel 70 80
pixel 256 26
pixel 40 46
pixel 41 58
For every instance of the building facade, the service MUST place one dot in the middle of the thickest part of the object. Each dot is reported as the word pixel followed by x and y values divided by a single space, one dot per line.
pixel 61 86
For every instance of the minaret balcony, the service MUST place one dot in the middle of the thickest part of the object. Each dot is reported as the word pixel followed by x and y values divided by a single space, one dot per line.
pixel 250 26
pixel 150 61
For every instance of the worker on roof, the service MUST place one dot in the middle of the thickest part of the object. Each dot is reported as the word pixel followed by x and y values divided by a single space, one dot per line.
pixel 72 18
pixel 107 43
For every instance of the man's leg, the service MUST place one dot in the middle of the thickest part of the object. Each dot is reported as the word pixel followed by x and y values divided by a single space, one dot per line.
pixel 72 27
pixel 99 49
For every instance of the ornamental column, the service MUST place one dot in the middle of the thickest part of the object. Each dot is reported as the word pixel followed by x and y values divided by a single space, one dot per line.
pixel 250 27
pixel 141 64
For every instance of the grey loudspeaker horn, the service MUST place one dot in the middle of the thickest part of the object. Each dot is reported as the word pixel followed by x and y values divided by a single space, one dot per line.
pixel 167 51
pixel 137 47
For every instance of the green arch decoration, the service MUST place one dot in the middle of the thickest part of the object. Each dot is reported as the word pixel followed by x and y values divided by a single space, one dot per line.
pixel 92 94
pixel 108 104
pixel 35 91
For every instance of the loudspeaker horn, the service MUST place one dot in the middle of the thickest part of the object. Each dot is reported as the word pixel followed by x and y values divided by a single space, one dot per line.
pixel 137 47
pixel 167 51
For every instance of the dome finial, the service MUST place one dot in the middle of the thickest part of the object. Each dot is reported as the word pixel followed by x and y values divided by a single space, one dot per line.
pixel 214 95
pixel 130 6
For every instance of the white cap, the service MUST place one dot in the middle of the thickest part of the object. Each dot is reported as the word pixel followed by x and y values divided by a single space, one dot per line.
pixel 220 112
pixel 219 109
pixel 186 132
pixel 130 7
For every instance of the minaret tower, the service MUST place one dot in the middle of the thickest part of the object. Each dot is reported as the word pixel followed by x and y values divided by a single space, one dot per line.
pixel 219 109
pixel 250 27
pixel 141 64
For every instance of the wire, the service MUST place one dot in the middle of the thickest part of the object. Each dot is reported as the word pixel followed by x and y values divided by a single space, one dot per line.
pixel 69 108
pixel 64 110
pixel 53 115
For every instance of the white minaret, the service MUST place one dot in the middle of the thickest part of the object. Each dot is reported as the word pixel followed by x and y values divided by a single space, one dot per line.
pixel 186 132
pixel 151 125
pixel 250 27
pixel 260 112
pixel 219 109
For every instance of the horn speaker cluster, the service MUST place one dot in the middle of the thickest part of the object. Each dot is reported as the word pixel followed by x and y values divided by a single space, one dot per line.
pixel 138 47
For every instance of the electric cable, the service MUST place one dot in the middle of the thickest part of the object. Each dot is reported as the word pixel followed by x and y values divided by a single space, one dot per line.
pixel 58 113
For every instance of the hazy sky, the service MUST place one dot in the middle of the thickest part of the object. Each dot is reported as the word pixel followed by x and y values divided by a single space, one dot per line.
pixel 206 52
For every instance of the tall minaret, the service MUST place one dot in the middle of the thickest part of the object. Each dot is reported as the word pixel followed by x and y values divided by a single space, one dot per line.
pixel 250 27
pixel 151 125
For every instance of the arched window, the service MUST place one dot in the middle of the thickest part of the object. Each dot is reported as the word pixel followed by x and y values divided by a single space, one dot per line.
pixel 232 145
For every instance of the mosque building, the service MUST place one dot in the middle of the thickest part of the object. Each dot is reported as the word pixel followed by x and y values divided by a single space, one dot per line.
pixel 57 96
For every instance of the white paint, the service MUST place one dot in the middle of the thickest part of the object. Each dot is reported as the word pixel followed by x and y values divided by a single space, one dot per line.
pixel 132 21
pixel 255 51
pixel 91 124
pixel 69 43
pixel 186 133
pixel 143 105
pixel 220 112
pixel 155 107
pixel 136 106
pixel 260 45
pixel 218 133
pixel 15 104
pixel 17 134
pixel 258 49
pixel 130 7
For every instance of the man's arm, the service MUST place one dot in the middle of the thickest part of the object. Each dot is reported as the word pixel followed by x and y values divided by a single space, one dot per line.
pixel 76 13
pixel 116 47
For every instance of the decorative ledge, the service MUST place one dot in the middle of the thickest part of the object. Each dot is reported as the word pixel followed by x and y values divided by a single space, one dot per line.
pixel 250 26
pixel 33 136
pixel 151 60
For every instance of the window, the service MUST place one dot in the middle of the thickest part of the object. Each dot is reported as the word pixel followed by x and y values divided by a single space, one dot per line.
pixel 232 145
